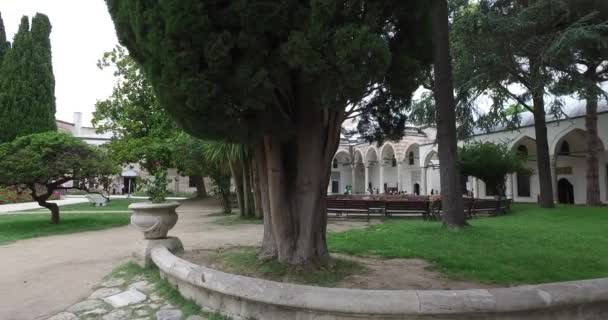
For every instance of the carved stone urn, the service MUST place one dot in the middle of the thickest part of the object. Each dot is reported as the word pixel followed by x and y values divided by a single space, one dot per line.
pixel 154 219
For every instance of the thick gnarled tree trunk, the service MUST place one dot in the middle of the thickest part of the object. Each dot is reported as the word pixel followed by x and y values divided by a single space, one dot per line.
pixel 451 191
pixel 297 171
pixel 41 199
pixel 593 180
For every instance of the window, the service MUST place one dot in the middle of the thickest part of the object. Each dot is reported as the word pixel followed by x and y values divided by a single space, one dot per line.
pixel 522 151
pixel 335 164
pixel 192 181
pixel 564 148
pixel 394 161
pixel 410 158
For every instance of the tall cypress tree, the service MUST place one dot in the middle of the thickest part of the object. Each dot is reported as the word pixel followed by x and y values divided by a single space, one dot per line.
pixel 27 86
pixel 4 45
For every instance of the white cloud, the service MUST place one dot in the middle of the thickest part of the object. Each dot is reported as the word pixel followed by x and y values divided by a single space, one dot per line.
pixel 82 32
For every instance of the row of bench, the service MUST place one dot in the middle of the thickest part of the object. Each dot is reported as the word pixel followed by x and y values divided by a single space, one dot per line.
pixel 425 208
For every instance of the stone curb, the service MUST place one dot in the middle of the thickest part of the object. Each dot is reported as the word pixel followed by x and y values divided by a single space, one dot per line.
pixel 574 297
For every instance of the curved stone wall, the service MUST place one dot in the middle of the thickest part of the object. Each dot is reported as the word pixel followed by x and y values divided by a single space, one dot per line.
pixel 249 298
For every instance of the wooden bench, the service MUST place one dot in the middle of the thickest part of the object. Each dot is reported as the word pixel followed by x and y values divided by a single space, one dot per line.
pixel 469 204
pixel 347 207
pixel 413 208
pixel 492 207
pixel 97 199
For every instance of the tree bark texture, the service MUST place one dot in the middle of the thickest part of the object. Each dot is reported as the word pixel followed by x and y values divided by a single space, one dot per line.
pixel 593 147
pixel 246 209
pixel 297 171
pixel 199 183
pixel 269 248
pixel 42 201
pixel 451 193
pixel 543 160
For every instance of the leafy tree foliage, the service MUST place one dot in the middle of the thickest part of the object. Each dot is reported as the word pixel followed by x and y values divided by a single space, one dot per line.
pixel 490 163
pixel 27 85
pixel 505 44
pixel 42 162
pixel 282 76
pixel 581 64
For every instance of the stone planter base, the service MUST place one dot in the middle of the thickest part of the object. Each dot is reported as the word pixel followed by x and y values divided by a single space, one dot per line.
pixel 144 249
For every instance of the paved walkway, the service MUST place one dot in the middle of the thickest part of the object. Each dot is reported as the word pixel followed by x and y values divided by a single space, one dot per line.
pixel 15 207
pixel 42 276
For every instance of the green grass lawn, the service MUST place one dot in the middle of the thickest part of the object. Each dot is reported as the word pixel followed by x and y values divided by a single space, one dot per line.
pixel 236 219
pixel 74 218
pixel 15 227
pixel 114 205
pixel 530 245
pixel 244 261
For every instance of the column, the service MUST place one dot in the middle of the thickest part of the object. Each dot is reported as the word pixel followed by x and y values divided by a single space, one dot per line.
pixel 366 177
pixel 381 187
pixel 509 186
pixel 399 180
pixel 353 173
pixel 423 190
pixel 553 178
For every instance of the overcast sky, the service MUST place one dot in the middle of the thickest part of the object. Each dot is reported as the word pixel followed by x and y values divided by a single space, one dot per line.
pixel 82 32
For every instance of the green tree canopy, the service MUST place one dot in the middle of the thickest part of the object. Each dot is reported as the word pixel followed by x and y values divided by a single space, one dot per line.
pixel 42 162
pixel 490 163
pixel 27 85
pixel 282 76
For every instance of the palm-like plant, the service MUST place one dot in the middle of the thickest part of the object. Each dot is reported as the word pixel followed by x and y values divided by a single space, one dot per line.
pixel 237 159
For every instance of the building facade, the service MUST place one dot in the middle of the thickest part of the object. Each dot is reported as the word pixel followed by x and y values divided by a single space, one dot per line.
pixel 411 165
pixel 126 182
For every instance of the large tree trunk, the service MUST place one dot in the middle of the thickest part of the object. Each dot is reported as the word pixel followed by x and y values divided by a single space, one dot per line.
pixel 199 184
pixel 543 160
pixel 451 192
pixel 298 174
pixel 269 247
pixel 593 180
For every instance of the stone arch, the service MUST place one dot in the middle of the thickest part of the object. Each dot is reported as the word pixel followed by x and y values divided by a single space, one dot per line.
pixel 388 154
pixel 371 155
pixel 431 172
pixel 341 172
pixel 430 156
pixel 524 140
pixel 576 140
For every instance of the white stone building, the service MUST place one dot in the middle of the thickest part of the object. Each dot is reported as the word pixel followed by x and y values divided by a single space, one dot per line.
pixel 126 181
pixel 411 164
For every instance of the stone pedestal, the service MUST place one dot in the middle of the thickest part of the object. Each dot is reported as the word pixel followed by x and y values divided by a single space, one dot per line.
pixel 145 246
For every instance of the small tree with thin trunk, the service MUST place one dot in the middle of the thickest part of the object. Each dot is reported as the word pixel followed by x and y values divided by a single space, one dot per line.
pixel 490 163
pixel 42 162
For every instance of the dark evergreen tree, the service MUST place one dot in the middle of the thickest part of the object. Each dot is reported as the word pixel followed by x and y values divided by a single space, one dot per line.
pixel 27 86
pixel 283 76
pixel 4 44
